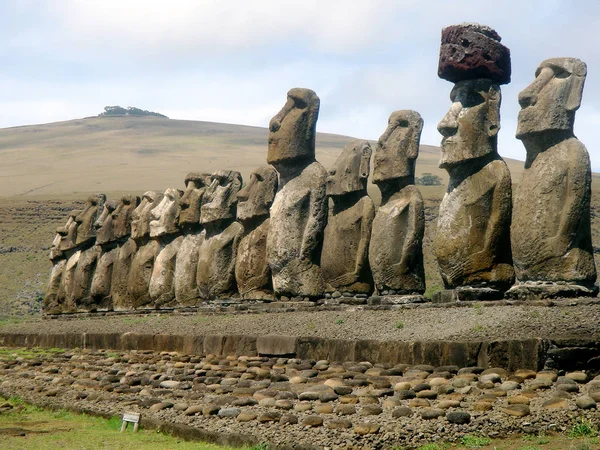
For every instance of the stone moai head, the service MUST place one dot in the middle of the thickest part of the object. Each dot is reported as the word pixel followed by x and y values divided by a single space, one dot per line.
pixel 549 103
pixel 140 217
pixel 470 127
pixel 55 251
pixel 221 196
pixel 398 147
pixel 105 224
pixel 122 215
pixel 86 231
pixel 350 170
pixel 191 201
pixel 255 199
pixel 68 233
pixel 164 217
pixel 292 131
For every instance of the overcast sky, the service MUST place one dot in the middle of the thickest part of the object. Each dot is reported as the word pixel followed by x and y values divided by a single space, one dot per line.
pixel 234 60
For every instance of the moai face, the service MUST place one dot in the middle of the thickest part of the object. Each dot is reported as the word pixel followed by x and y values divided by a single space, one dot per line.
pixel 104 224
pixel 292 131
pixel 85 221
pixel 122 215
pixel 221 196
pixel 55 251
pixel 550 101
pixel 165 216
pixel 68 233
pixel 191 201
pixel 350 170
pixel 398 147
pixel 470 127
pixel 140 217
pixel 255 199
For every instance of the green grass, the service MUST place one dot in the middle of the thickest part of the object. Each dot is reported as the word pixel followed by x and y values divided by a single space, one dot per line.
pixel 583 428
pixel 399 325
pixel 50 430
pixel 29 353
pixel 339 321
pixel 472 441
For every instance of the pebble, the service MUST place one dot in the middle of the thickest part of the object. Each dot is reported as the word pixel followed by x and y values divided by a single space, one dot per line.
pixel 517 410
pixel 364 428
pixel 312 421
pixel 585 402
pixel 339 424
pixel 432 413
pixel 402 411
pixel 458 417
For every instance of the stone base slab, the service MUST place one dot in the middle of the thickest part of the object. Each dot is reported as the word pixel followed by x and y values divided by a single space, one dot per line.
pixel 396 299
pixel 533 290
pixel 465 294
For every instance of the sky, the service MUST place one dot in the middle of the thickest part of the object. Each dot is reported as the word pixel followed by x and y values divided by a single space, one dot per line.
pixel 234 60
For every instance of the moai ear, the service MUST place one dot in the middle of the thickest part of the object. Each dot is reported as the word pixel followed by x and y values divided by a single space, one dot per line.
pixel 577 80
pixel 365 161
pixel 493 116
pixel 415 138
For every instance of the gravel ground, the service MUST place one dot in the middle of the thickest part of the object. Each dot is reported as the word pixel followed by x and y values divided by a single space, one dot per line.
pixel 472 323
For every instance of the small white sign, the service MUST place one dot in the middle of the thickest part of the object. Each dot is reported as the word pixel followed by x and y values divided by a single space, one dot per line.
pixel 130 417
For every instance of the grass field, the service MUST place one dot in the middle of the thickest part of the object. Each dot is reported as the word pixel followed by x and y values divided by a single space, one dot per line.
pixel 48 170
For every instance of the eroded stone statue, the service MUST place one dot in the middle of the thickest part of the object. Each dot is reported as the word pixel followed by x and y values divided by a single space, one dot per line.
pixel 344 259
pixel 551 235
pixel 164 227
pixel 220 237
pixel 472 241
pixel 106 242
pixel 86 231
pixel 396 248
pixel 252 272
pixel 121 217
pixel 186 264
pixel 299 210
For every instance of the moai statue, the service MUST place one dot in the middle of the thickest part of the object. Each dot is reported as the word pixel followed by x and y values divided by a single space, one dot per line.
pixel 142 264
pixel 164 228
pixel 299 211
pixel 396 248
pixel 86 265
pixel 220 238
pixel 106 241
pixel 132 271
pixel 344 259
pixel 61 250
pixel 252 271
pixel 472 241
pixel 186 262
pixel 122 218
pixel 551 235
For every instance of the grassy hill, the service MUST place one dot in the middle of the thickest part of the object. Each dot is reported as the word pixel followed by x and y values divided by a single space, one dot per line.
pixel 49 169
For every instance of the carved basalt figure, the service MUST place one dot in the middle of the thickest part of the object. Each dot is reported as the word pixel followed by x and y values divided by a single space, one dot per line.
pixel 164 228
pixel 86 231
pixel 551 235
pixel 472 241
pixel 220 237
pixel 344 259
pixel 121 217
pixel 186 263
pixel 396 247
pixel 252 272
pixel 298 213
pixel 106 242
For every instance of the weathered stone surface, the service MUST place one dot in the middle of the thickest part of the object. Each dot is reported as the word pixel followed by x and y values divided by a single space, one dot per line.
pixel 551 235
pixel 471 51
pixel 68 233
pixel 104 224
pixel 252 271
pixel 219 241
pixel 458 417
pixel 52 301
pixel 395 251
pixel 122 216
pixel 344 258
pixel 120 275
pixel 86 231
pixel 472 241
pixel 102 279
pixel 517 410
pixel 298 213
pixel 82 278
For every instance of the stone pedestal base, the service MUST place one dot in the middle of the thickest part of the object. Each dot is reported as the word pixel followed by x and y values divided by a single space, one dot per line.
pixel 535 290
pixel 466 293
pixel 396 299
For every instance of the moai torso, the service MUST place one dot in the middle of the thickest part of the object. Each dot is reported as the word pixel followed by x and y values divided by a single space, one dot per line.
pixel 344 258
pixel 215 275
pixel 65 293
pixel 396 244
pixel 105 242
pixel 252 271
pixel 120 275
pixel 52 304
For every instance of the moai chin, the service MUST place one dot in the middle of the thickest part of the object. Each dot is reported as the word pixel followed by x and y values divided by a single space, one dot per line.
pixel 252 272
pixel 107 249
pixel 164 227
pixel 472 241
pixel 396 248
pixel 344 258
pixel 551 234
pixel 220 238
pixel 140 252
pixel 299 210
pixel 86 265
pixel 186 263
